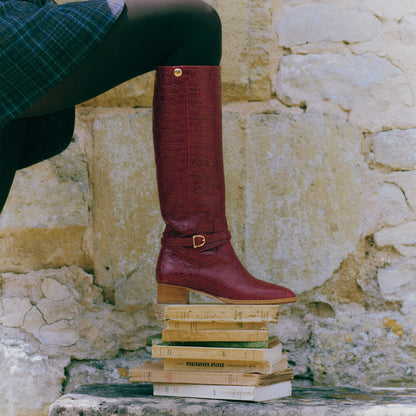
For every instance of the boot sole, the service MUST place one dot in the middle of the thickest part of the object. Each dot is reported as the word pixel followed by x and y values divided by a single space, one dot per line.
pixel 170 294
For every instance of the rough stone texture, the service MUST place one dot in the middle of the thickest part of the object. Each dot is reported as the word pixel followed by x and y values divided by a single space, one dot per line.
pixel 81 325
pixel 47 319
pixel 134 93
pixel 351 341
pixel 389 199
pixel 55 192
pixel 396 149
pixel 115 370
pixel 408 30
pixel 47 205
pixel 247 41
pixel 397 281
pixel 371 91
pixel 30 381
pixel 137 400
pixel 126 218
pixel 401 235
pixel 317 22
pixel 303 197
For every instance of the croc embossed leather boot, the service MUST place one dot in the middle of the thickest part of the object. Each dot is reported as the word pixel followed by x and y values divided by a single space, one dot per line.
pixel 196 253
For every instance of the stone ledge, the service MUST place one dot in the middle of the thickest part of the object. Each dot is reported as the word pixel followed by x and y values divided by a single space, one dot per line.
pixel 137 399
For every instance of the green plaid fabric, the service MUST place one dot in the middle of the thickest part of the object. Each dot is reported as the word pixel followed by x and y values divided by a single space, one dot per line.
pixel 42 42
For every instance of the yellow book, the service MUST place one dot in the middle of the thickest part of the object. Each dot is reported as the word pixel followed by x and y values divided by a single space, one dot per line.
pixel 203 326
pixel 217 313
pixel 154 373
pixel 225 366
pixel 173 335
pixel 209 353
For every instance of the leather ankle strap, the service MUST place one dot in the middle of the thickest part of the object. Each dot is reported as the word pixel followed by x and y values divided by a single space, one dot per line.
pixel 197 240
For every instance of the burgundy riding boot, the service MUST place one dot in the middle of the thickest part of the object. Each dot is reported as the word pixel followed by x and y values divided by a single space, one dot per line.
pixel 196 253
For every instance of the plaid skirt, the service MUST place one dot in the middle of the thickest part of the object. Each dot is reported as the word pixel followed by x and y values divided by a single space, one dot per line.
pixel 42 42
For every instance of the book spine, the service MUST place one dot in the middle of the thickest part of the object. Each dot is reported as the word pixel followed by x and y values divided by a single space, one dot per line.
pixel 224 344
pixel 217 313
pixel 249 393
pixel 202 326
pixel 204 391
pixel 272 342
pixel 219 366
pixel 247 354
pixel 171 335
pixel 187 377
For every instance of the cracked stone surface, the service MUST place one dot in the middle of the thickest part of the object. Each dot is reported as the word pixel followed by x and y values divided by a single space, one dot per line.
pixel 61 319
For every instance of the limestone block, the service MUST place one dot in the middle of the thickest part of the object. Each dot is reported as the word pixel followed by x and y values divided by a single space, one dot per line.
pixel 57 310
pixel 396 149
pixel 25 249
pixel 126 219
pixel 317 22
pixel 235 167
pixel 354 346
pixel 54 290
pixel 382 8
pixel 60 333
pixel 408 30
pixel 247 44
pixel 30 382
pixel 398 281
pixel 14 286
pixel 14 311
pixel 406 181
pixel 33 320
pixel 50 194
pixel 371 214
pixel 403 234
pixel 304 197
pixel 390 199
pixel 44 221
pixel 369 88
pixel 137 92
pixel 393 205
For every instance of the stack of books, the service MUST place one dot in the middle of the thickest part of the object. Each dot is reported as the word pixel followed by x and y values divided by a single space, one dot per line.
pixel 217 351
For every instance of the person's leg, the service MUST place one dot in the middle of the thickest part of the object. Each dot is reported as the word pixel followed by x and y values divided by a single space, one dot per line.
pixel 148 33
pixel 9 157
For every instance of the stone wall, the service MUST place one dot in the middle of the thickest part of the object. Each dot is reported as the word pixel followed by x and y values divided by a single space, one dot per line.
pixel 320 145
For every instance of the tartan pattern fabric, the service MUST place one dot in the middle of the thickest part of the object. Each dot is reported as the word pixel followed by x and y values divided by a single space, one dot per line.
pixel 42 42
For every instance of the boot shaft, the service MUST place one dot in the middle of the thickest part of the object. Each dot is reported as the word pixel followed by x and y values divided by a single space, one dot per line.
pixel 187 129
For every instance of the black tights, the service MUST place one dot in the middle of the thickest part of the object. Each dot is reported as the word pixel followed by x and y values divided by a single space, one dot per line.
pixel 147 34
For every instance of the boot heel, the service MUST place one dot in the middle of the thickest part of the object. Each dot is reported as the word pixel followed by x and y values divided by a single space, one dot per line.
pixel 172 294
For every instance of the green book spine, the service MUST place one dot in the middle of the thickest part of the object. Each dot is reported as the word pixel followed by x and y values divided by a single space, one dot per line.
pixel 157 340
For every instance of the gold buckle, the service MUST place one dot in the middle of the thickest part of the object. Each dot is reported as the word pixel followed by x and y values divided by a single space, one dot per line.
pixel 194 241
